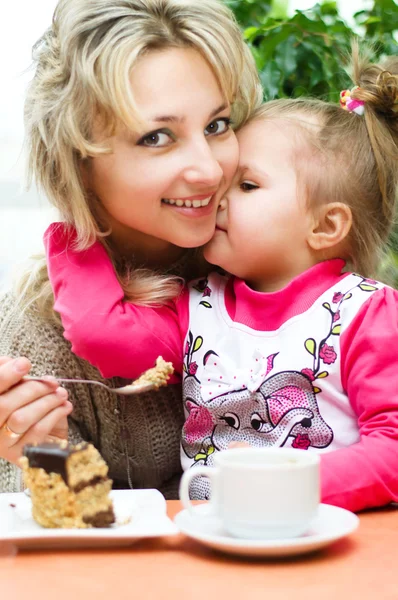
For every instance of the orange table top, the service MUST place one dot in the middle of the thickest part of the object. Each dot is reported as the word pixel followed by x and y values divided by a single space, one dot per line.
pixel 363 566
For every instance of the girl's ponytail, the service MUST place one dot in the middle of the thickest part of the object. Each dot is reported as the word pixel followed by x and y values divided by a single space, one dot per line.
pixel 378 89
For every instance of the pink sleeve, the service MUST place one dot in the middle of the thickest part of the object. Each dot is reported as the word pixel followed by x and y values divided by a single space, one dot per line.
pixel 117 337
pixel 365 474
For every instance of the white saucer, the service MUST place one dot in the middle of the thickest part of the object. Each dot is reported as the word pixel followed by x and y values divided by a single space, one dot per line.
pixel 331 524
pixel 139 514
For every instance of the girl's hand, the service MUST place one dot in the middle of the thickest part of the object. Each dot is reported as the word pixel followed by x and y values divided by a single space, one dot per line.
pixel 30 411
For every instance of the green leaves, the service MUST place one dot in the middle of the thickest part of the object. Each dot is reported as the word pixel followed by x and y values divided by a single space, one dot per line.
pixel 249 12
pixel 305 54
pixel 298 55
pixel 380 23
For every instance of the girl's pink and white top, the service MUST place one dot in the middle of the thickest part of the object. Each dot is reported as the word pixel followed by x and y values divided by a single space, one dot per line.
pixel 313 366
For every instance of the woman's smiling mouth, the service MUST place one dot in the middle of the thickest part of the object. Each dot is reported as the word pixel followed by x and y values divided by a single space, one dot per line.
pixel 197 202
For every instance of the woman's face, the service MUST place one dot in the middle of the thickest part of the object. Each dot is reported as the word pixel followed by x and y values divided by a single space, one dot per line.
pixel 162 184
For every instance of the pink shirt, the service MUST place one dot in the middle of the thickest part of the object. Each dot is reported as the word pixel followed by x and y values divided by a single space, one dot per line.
pixel 121 339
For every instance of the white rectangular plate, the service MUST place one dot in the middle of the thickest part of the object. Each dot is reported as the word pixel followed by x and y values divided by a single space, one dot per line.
pixel 145 511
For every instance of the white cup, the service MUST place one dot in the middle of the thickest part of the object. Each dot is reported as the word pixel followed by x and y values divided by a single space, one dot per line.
pixel 260 493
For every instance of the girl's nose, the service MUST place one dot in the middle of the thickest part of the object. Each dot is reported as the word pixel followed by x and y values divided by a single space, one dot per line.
pixel 223 204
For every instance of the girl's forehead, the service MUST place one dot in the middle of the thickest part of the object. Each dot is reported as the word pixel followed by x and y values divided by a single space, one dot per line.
pixel 267 144
pixel 264 133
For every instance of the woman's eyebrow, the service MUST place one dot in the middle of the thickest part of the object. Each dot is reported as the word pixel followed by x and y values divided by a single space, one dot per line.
pixel 175 119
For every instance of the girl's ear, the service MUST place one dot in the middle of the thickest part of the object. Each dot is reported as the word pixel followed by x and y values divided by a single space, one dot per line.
pixel 331 226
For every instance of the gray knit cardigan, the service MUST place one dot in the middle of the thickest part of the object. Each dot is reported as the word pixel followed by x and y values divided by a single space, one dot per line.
pixel 138 436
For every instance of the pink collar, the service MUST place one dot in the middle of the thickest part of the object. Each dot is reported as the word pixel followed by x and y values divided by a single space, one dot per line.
pixel 268 311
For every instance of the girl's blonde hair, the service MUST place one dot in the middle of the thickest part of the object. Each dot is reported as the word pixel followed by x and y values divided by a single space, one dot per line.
pixel 83 66
pixel 349 158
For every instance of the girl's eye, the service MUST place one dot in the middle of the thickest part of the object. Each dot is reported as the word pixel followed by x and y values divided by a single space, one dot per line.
pixel 247 186
pixel 156 139
pixel 218 126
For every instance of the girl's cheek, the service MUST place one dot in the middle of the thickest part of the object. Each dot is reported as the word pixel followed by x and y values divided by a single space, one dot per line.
pixel 234 216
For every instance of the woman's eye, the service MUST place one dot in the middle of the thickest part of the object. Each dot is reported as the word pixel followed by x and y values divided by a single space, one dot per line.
pixel 218 126
pixel 247 186
pixel 157 139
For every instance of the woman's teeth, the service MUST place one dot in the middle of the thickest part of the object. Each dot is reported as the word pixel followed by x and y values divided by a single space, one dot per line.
pixel 187 203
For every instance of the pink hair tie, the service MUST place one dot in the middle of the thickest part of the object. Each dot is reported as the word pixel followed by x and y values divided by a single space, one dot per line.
pixel 351 104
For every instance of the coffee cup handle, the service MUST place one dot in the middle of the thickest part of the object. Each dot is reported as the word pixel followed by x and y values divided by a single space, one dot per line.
pixel 186 480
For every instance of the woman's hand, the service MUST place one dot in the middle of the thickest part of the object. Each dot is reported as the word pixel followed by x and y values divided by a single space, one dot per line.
pixel 30 411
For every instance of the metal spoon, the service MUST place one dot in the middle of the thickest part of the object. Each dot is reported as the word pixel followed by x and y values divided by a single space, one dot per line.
pixel 125 390
pixel 152 379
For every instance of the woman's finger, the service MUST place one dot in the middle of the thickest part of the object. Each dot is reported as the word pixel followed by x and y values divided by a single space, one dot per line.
pixel 23 419
pixel 23 394
pixel 4 359
pixel 38 433
pixel 60 430
pixel 12 371
pixel 43 428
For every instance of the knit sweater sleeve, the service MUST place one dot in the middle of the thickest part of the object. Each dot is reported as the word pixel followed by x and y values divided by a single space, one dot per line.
pixel 366 474
pixel 10 477
pixel 119 338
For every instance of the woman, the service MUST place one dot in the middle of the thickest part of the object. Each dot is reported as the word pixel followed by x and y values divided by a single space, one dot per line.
pixel 129 123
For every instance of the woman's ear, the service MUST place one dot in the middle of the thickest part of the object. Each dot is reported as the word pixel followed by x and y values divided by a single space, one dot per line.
pixel 331 226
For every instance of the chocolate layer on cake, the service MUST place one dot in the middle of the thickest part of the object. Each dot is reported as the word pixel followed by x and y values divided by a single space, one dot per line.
pixel 69 485
pixel 51 457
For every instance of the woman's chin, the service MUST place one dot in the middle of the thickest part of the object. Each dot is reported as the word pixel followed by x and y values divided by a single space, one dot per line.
pixel 194 241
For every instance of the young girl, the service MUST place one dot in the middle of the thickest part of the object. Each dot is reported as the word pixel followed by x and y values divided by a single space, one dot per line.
pixel 128 126
pixel 291 351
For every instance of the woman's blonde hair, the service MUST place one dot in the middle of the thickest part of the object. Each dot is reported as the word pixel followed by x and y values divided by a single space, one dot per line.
pixel 83 67
pixel 344 157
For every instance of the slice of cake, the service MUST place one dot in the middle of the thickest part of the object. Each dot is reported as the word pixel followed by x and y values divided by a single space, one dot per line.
pixel 69 485
pixel 158 375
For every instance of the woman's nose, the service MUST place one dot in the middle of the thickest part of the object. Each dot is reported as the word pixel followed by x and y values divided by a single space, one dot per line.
pixel 202 166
